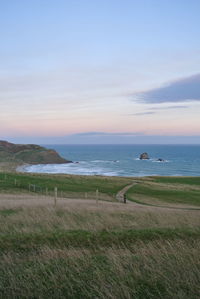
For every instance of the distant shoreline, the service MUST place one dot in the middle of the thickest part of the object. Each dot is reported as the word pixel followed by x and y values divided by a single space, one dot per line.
pixel 9 166
pixel 18 168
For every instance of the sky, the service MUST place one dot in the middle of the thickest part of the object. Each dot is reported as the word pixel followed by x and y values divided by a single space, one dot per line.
pixel 100 71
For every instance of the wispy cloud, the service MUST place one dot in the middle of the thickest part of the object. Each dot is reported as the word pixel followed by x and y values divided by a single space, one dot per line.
pixel 182 90
pixel 154 110
pixel 143 113
pixel 169 107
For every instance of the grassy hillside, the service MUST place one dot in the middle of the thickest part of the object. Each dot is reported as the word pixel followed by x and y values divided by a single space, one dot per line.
pixel 28 153
pixel 19 182
pixel 85 249
pixel 167 190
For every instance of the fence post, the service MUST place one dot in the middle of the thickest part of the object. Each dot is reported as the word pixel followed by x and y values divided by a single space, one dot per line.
pixel 15 181
pixel 55 196
pixel 33 188
pixel 86 196
pixel 46 191
pixel 97 196
pixel 29 187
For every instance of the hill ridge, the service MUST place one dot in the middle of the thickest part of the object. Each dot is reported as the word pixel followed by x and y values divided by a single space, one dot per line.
pixel 29 153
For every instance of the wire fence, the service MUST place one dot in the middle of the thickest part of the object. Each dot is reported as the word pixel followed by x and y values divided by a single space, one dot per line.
pixel 8 184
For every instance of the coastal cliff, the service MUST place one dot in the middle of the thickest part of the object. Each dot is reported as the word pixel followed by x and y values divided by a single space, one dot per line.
pixel 28 153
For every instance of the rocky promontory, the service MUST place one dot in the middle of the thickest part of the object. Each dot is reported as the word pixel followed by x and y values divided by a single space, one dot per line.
pixel 29 154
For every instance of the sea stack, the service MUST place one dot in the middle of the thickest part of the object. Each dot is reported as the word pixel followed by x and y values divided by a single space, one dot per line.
pixel 144 156
pixel 160 160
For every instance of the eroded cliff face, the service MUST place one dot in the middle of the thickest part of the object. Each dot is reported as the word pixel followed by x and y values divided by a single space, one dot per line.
pixel 29 153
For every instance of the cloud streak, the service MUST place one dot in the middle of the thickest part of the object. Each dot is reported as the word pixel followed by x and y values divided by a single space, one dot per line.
pixel 143 113
pixel 182 90
pixel 170 107
pixel 156 110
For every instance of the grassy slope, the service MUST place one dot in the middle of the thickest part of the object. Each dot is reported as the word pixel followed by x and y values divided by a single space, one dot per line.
pixel 31 155
pixel 68 183
pixel 27 153
pixel 178 180
pixel 95 251
pixel 167 190
pixel 169 196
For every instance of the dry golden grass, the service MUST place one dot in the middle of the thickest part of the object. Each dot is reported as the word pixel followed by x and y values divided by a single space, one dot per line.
pixel 33 214
pixel 8 166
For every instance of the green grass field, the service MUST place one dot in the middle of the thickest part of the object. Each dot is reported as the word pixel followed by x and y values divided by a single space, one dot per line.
pixel 178 180
pixel 182 191
pixel 81 248
pixel 16 182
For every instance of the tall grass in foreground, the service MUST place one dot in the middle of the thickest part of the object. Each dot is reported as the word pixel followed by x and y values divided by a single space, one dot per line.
pixel 157 269
pixel 25 217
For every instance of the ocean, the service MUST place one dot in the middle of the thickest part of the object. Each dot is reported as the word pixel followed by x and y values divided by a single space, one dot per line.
pixel 123 160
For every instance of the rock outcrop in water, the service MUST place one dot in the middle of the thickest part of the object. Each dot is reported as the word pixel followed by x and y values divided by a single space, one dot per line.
pixel 29 153
pixel 144 156
pixel 160 160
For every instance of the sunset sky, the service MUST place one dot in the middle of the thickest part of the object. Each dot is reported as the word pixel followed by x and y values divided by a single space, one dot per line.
pixel 100 71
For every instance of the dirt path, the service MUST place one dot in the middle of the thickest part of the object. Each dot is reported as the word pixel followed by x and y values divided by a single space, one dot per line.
pixel 28 200
pixel 120 194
